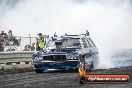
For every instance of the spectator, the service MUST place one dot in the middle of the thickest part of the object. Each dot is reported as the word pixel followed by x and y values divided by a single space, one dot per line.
pixel 65 33
pixel 87 32
pixel 40 42
pixel 1 38
pixel 10 33
pixel 6 40
pixel 6 36
pixel 1 47
pixel 15 41
pixel 33 47
pixel 1 43
pixel 3 33
pixel 26 48
pixel 55 35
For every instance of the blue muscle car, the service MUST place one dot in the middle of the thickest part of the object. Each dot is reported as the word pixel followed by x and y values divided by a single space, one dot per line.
pixel 66 52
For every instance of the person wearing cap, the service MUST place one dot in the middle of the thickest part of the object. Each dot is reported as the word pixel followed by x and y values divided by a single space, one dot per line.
pixel 40 42
pixel 10 33
pixel 3 33
pixel 33 47
pixel 55 35
pixel 1 43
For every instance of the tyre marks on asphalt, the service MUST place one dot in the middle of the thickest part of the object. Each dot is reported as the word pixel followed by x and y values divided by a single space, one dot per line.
pixel 26 78
pixel 58 79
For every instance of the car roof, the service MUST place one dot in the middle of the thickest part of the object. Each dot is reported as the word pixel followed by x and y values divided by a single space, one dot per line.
pixel 79 36
pixel 75 36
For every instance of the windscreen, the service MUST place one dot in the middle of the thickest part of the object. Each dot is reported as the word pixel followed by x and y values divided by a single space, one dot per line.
pixel 66 43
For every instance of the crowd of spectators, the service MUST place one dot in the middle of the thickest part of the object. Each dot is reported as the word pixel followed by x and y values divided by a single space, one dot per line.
pixel 29 47
pixel 39 45
pixel 7 39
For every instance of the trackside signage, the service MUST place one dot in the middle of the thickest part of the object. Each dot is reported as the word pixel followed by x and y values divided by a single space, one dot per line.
pixel 103 78
pixel 107 78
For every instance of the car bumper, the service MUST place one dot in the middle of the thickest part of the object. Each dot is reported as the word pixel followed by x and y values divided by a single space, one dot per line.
pixel 56 64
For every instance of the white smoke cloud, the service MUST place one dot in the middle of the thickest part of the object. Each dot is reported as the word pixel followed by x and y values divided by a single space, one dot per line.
pixel 109 22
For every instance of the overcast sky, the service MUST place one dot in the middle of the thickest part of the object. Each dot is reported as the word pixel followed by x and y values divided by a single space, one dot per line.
pixel 108 21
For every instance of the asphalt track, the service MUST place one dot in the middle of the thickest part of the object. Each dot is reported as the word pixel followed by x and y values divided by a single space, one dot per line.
pixel 56 79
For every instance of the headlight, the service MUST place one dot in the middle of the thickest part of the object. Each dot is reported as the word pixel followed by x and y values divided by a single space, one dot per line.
pixel 37 58
pixel 72 56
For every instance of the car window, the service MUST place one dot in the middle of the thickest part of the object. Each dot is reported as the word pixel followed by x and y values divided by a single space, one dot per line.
pixel 87 42
pixel 90 42
pixel 71 43
pixel 84 43
pixel 66 43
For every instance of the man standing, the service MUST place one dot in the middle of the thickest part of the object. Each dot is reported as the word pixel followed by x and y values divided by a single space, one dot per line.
pixel 40 42
pixel 55 35
pixel 1 43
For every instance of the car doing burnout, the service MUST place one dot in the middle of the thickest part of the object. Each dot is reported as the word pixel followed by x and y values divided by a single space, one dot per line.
pixel 66 52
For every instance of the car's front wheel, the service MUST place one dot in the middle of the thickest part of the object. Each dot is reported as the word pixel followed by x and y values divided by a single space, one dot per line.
pixel 77 69
pixel 38 69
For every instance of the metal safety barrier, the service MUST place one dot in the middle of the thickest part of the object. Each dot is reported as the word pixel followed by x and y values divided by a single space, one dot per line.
pixel 9 60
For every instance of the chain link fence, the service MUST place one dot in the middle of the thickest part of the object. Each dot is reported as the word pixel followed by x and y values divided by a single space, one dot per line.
pixel 21 43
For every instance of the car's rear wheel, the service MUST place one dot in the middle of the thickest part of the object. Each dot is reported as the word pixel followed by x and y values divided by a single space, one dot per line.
pixel 90 67
pixel 74 70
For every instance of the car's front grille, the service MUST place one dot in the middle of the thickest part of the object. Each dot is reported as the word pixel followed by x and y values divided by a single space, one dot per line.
pixel 55 57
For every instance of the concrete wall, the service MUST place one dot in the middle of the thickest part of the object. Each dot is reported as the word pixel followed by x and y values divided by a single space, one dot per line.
pixel 9 60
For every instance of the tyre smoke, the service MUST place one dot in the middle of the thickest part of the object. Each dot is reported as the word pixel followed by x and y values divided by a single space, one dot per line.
pixel 108 21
